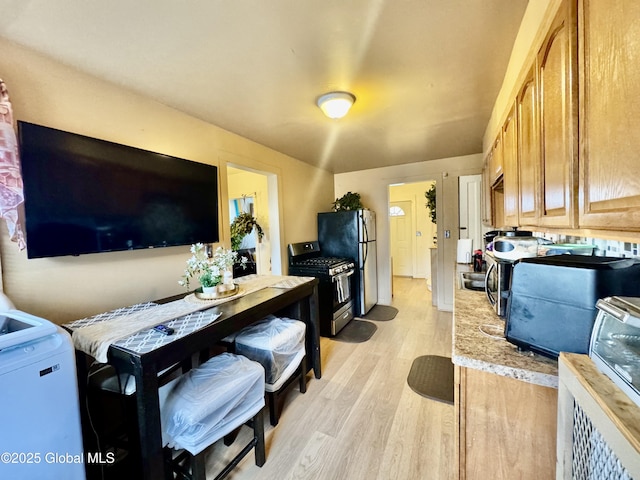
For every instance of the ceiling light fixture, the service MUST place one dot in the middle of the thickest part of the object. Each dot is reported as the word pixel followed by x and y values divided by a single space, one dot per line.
pixel 336 104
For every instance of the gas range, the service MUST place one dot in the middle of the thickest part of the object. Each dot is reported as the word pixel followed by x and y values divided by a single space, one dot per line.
pixel 323 266
pixel 335 303
pixel 305 259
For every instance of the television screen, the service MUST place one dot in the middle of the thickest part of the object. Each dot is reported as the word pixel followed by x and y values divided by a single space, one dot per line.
pixel 84 195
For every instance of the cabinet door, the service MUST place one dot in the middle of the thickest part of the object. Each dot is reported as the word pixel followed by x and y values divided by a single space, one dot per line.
pixel 506 428
pixel 528 158
pixel 610 114
pixel 510 169
pixel 558 118
pixel 496 160
pixel 486 192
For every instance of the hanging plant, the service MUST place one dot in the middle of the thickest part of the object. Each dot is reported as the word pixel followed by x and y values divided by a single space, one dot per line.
pixel 241 226
pixel 349 201
pixel 430 195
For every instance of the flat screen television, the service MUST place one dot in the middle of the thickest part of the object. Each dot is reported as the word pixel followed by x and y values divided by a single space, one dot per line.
pixel 84 195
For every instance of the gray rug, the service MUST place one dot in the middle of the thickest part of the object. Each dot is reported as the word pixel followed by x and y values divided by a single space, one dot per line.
pixel 381 313
pixel 356 331
pixel 432 376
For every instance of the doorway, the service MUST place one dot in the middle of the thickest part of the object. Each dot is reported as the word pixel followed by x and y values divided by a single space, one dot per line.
pixel 469 204
pixel 412 234
pixel 254 192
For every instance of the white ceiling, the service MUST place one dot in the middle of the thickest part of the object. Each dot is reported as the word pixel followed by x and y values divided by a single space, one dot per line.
pixel 425 73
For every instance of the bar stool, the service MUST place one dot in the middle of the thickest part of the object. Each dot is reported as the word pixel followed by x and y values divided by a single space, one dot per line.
pixel 208 403
pixel 111 408
pixel 278 344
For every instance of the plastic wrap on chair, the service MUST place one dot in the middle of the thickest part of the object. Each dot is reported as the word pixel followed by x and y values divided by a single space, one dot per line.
pixel 274 342
pixel 210 401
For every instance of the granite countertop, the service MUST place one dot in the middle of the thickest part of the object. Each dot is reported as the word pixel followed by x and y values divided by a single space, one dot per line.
pixel 479 343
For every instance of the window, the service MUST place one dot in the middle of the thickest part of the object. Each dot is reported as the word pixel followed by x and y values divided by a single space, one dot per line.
pixel 396 211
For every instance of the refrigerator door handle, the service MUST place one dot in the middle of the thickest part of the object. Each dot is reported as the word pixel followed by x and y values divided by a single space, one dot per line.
pixel 365 247
pixel 364 228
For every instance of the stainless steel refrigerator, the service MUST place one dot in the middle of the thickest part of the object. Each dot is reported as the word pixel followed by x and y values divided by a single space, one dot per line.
pixel 352 234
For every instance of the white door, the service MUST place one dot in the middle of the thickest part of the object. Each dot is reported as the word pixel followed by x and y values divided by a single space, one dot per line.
pixel 401 238
pixel 470 188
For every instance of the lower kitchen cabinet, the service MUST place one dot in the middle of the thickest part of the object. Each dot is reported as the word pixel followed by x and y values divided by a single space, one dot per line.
pixel 506 428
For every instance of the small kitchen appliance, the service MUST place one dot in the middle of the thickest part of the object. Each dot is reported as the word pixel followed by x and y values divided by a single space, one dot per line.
pixel 335 284
pixel 502 249
pixel 615 343
pixel 497 281
pixel 514 245
pixel 552 300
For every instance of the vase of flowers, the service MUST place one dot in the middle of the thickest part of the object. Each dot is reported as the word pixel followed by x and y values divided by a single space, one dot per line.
pixel 211 270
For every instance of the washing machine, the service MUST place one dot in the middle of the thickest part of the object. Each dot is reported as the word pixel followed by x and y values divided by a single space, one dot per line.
pixel 40 432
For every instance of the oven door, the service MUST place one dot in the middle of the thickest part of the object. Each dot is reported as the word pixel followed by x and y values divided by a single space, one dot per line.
pixel 341 289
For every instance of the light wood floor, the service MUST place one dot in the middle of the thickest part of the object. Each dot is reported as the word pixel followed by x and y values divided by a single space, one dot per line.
pixel 361 420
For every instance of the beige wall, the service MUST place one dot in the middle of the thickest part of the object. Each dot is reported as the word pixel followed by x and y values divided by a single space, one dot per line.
pixel 373 186
pixel 64 288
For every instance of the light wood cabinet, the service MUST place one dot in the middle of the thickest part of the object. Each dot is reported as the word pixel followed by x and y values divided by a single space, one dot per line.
pixel 528 152
pixel 510 169
pixel 609 114
pixel 495 164
pixel 486 192
pixel 506 427
pixel 577 140
pixel 496 183
pixel 557 64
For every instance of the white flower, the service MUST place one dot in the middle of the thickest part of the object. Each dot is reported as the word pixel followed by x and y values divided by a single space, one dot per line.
pixel 209 271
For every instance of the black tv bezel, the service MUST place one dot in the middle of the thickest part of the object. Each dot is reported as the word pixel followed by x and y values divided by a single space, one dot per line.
pixel 147 158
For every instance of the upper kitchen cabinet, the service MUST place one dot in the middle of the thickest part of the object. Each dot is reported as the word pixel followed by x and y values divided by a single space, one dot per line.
pixel 495 162
pixel 528 152
pixel 496 182
pixel 510 169
pixel 558 172
pixel 610 114
pixel 486 192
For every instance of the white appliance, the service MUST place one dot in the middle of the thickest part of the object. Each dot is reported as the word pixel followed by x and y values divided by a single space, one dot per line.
pixel 465 253
pixel 40 437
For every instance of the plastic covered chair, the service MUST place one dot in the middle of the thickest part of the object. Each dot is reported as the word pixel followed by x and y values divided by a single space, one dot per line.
pixel 278 344
pixel 208 403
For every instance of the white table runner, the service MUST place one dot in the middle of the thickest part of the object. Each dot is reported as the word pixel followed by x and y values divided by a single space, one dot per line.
pixel 132 327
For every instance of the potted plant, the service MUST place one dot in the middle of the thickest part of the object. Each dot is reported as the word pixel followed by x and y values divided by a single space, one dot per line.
pixel 243 225
pixel 430 195
pixel 210 271
pixel 349 201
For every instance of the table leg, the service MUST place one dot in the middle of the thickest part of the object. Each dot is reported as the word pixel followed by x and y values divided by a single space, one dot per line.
pixel 149 427
pixel 313 325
